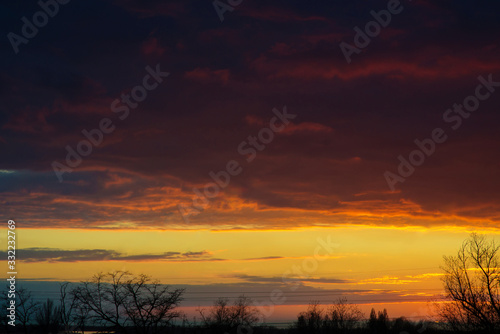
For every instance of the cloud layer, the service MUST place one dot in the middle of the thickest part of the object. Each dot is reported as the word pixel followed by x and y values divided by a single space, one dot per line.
pixel 37 254
pixel 326 167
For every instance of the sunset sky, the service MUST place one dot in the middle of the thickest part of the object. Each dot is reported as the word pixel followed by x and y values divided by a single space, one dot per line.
pixel 305 141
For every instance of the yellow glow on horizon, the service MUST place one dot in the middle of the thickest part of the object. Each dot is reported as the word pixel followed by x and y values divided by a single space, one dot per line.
pixel 361 248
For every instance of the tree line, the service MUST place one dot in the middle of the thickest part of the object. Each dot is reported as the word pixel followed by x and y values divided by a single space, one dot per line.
pixel 122 303
pixel 117 301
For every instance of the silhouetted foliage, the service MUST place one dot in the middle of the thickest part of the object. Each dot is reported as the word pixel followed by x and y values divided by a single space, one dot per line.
pixel 225 317
pixel 342 317
pixel 67 309
pixel 310 321
pixel 380 323
pixel 402 324
pixel 125 301
pixel 26 308
pixel 372 321
pixel 472 285
pixel 48 318
pixel 339 317
pixel 119 302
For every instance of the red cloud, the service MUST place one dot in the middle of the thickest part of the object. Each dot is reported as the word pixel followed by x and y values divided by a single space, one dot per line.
pixel 206 75
pixel 306 127
pixel 151 47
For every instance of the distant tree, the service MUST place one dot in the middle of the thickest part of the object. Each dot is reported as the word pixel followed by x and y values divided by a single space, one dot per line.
pixel 472 286
pixel 81 317
pixel 378 323
pixel 383 320
pixel 372 321
pixel 454 316
pixel 73 315
pixel 120 300
pixel 312 320
pixel 26 308
pixel 149 305
pixel 342 317
pixel 67 307
pixel 223 316
pixel 48 317
pixel 402 325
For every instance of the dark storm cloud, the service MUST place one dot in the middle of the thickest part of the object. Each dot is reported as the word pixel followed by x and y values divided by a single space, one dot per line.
pixel 353 120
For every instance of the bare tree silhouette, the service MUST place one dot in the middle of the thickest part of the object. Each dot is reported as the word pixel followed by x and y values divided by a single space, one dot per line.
pixel 339 317
pixel 26 307
pixel 472 286
pixel 122 300
pixel 225 317
pixel 311 321
pixel 48 317
pixel 342 317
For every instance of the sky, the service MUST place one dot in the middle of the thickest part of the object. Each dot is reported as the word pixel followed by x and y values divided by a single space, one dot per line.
pixel 321 149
